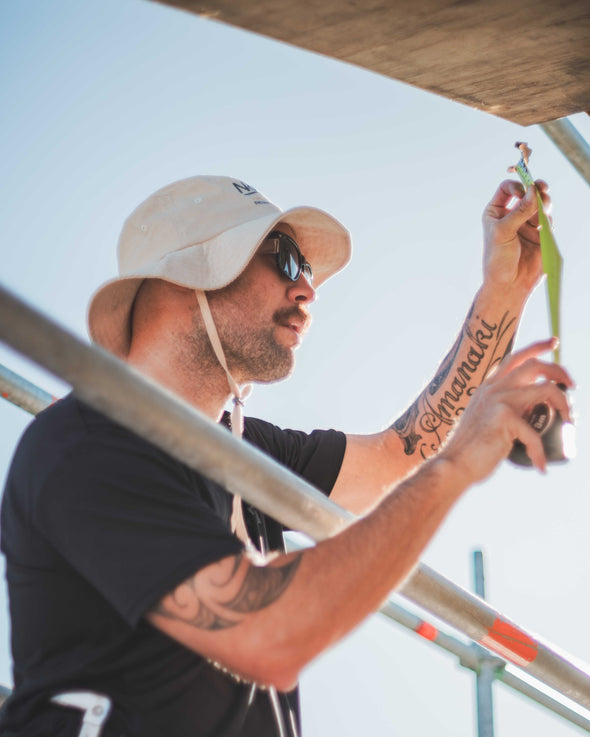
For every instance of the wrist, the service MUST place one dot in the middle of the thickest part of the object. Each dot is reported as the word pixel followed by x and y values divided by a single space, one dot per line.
pixel 497 298
pixel 452 472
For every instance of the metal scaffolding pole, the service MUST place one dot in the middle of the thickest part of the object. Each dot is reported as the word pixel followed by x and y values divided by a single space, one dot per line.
pixel 469 658
pixel 571 144
pixel 486 673
pixel 112 387
pixel 23 393
pixel 32 399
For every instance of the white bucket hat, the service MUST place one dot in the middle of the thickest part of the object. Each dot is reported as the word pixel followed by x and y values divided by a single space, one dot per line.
pixel 201 233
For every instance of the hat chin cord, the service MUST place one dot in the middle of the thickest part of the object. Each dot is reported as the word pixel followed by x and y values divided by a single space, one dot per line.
pixel 239 395
pixel 238 524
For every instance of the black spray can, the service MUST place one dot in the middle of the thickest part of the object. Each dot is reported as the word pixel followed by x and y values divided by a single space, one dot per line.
pixel 557 436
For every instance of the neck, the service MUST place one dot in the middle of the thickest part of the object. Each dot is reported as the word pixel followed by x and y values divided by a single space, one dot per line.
pixel 171 346
pixel 201 385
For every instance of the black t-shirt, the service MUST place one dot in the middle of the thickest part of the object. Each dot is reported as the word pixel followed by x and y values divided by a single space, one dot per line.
pixel 97 526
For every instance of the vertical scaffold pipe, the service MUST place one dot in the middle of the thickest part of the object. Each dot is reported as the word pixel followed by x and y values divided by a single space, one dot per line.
pixel 486 670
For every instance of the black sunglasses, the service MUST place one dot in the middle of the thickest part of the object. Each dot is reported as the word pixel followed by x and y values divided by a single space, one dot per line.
pixel 290 260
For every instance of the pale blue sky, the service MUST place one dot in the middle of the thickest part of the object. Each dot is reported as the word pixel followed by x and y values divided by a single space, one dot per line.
pixel 105 102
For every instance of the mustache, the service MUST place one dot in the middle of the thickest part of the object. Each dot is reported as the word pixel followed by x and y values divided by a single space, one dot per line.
pixel 293 313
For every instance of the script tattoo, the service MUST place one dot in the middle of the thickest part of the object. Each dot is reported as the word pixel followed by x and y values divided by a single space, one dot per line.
pixel 426 424
pixel 405 428
pixel 261 586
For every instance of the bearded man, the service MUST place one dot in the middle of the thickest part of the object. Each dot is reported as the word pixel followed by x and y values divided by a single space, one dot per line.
pixel 138 597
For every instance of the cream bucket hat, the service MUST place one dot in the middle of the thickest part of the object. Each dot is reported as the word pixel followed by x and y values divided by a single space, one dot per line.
pixel 201 233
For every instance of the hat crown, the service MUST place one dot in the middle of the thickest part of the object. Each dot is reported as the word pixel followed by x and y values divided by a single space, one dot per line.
pixel 187 213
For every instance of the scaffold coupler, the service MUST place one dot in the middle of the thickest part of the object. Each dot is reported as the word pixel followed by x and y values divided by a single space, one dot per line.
pixel 96 708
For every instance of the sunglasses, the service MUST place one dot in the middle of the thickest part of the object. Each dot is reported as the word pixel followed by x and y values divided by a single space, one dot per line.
pixel 290 260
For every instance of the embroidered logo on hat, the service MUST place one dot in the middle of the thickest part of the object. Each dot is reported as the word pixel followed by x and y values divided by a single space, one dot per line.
pixel 244 188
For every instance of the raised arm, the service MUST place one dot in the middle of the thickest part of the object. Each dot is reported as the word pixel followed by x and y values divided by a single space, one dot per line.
pixel 265 620
pixel 511 269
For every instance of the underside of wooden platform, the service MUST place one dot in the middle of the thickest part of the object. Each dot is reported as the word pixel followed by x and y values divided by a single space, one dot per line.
pixel 526 61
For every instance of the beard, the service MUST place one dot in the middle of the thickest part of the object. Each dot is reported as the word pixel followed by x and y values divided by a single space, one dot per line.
pixel 256 355
pixel 252 353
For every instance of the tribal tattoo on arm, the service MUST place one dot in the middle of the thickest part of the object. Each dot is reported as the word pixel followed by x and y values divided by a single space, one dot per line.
pixel 252 588
pixel 479 348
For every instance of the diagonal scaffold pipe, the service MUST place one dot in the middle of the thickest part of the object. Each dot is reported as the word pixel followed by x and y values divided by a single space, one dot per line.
pixel 23 393
pixel 128 397
pixel 31 398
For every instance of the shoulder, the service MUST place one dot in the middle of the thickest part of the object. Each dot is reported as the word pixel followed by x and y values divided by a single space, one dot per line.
pixel 65 429
pixel 316 456
pixel 277 440
pixel 51 435
pixel 71 449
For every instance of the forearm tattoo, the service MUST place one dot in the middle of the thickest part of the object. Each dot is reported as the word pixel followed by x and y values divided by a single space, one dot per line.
pixel 260 587
pixel 478 349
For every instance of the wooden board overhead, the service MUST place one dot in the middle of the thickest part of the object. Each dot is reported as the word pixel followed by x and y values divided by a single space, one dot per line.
pixel 527 61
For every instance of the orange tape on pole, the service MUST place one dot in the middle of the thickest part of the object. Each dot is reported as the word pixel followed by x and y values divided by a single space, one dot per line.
pixel 511 643
pixel 427 631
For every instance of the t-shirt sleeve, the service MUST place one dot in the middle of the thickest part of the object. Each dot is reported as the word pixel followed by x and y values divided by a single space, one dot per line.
pixel 316 456
pixel 133 521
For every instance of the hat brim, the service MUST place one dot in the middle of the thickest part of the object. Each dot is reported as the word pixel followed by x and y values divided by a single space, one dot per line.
pixel 214 264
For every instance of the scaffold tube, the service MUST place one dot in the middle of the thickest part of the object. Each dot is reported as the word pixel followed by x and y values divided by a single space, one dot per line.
pixel 470 658
pixel 112 387
pixel 23 393
pixel 571 143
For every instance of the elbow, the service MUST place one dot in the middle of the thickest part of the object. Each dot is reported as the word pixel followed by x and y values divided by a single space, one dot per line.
pixel 276 666
pixel 281 659
pixel 280 675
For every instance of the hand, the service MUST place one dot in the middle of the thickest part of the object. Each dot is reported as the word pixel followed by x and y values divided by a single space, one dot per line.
pixel 494 417
pixel 512 254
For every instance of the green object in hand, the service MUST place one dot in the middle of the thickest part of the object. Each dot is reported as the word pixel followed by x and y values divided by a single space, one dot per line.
pixel 552 260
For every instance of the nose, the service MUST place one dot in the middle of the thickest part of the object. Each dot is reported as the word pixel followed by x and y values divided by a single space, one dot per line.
pixel 301 291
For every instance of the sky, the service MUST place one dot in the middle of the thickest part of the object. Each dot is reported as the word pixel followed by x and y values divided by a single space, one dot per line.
pixel 106 102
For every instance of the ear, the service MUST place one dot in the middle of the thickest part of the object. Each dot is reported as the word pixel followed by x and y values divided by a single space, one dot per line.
pixel 157 301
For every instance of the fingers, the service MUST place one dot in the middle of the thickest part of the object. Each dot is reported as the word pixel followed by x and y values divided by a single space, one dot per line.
pixel 532 224
pixel 533 380
pixel 533 375
pixel 525 210
pixel 523 382
pixel 543 190
pixel 532 440
pixel 529 232
pixel 525 398
pixel 506 192
pixel 520 423
pixel 531 351
pixel 500 408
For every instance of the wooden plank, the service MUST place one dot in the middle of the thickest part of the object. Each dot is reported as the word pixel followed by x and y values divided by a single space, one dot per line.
pixel 526 61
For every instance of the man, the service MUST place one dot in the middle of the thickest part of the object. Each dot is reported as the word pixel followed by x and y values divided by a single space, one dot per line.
pixel 133 577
